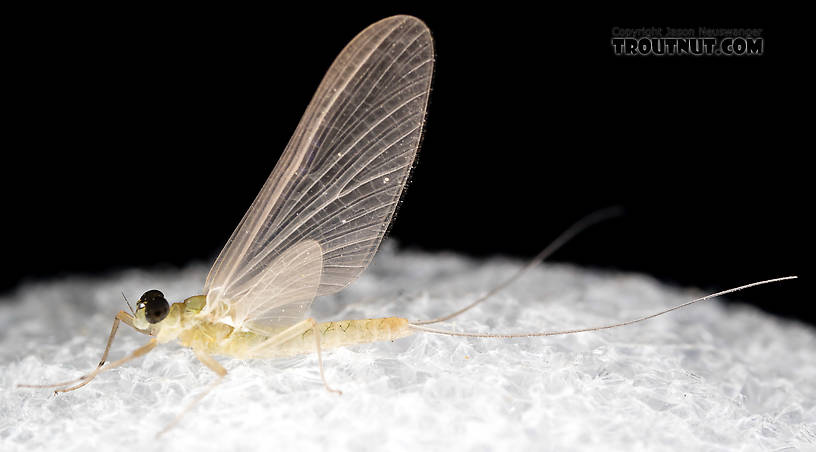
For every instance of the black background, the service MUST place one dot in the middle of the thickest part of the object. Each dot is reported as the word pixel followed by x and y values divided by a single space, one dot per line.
pixel 140 137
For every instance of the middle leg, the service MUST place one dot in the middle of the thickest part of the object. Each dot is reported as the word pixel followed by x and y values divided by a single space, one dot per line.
pixel 214 366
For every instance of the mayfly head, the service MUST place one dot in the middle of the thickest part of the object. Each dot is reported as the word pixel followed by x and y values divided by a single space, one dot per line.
pixel 151 308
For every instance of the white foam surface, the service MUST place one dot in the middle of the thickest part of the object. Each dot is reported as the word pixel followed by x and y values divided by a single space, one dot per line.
pixel 710 377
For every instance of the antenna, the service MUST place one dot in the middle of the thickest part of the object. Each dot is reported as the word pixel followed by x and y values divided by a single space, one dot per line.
pixel 128 303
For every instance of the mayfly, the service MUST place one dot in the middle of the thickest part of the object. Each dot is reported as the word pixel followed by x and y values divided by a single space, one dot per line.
pixel 318 221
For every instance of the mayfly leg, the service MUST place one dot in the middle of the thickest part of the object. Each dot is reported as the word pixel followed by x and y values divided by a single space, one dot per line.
pixel 286 335
pixel 292 332
pixel 141 351
pixel 122 316
pixel 85 379
pixel 320 359
pixel 214 366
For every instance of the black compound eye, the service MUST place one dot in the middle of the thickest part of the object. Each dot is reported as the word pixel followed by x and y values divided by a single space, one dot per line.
pixel 155 306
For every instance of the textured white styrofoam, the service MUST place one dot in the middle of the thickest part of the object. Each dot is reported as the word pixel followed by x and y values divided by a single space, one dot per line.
pixel 709 377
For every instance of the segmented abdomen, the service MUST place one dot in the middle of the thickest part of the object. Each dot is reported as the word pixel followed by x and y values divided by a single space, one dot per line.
pixel 332 335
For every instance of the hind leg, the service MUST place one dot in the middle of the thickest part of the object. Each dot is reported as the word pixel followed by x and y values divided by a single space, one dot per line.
pixel 292 332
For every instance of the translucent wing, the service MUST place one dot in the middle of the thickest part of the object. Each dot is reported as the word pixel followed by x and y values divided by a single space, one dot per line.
pixel 291 282
pixel 338 182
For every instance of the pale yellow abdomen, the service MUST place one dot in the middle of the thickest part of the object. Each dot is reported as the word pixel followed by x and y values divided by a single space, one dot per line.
pixel 220 339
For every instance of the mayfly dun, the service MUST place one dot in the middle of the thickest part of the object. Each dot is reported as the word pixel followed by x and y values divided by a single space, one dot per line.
pixel 318 221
